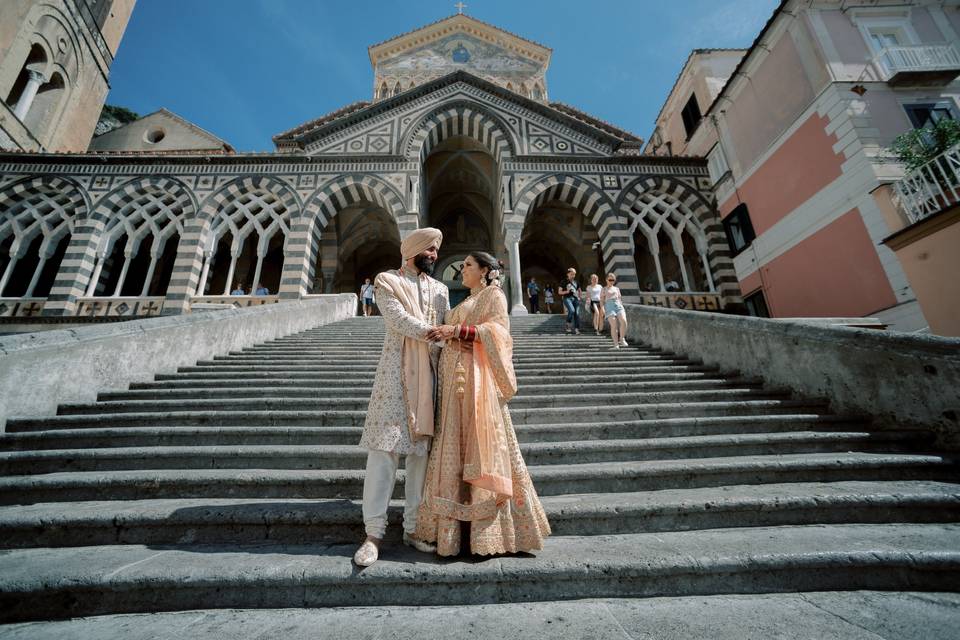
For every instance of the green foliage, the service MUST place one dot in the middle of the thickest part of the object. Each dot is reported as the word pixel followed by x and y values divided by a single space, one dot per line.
pixel 120 114
pixel 917 147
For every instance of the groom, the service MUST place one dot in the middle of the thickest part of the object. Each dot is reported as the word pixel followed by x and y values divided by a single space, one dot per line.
pixel 400 415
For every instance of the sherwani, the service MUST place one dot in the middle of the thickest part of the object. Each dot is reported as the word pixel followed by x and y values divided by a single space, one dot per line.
pixel 386 434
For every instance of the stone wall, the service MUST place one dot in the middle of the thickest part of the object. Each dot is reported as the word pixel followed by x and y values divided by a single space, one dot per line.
pixel 38 371
pixel 902 380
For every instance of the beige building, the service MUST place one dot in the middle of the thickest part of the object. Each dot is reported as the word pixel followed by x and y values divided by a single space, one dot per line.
pixel 54 70
pixel 158 132
pixel 796 139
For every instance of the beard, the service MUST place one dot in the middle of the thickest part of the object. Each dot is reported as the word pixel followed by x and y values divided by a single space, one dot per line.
pixel 424 263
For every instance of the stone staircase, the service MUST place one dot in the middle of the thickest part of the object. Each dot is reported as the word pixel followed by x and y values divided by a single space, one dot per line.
pixel 235 484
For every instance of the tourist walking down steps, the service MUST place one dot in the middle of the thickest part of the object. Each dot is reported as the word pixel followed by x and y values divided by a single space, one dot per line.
pixel 570 290
pixel 613 307
pixel 593 299
pixel 400 416
pixel 476 478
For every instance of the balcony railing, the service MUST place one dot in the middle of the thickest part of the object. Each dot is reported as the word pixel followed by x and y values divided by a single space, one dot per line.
pixel 932 187
pixel 927 62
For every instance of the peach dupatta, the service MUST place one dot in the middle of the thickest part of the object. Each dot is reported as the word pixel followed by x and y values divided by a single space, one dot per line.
pixel 486 463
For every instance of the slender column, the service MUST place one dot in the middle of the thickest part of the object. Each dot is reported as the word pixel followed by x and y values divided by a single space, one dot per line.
pixel 95 278
pixel 516 282
pixel 36 277
pixel 202 286
pixel 8 272
pixel 233 267
pixel 146 282
pixel 706 269
pixel 256 273
pixel 29 93
pixel 123 275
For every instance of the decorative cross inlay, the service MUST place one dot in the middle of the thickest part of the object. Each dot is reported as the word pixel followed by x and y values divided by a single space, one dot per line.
pixel 32 309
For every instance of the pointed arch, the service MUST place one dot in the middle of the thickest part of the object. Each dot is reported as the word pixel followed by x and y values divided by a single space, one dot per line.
pixel 458 118
pixel 321 207
pixel 597 206
pixel 154 209
pixel 49 209
pixel 667 201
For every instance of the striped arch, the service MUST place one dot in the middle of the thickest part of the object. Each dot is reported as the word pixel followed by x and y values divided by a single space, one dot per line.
pixel 53 207
pixel 325 203
pixel 673 192
pixel 590 200
pixel 156 207
pixel 198 241
pixel 459 118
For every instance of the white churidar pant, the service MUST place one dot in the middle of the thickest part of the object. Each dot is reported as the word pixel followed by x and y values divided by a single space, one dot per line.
pixel 378 485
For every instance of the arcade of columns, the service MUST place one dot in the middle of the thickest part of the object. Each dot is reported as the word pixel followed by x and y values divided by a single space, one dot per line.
pixel 98 235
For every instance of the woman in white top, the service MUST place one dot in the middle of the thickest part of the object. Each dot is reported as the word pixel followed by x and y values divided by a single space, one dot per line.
pixel 596 309
pixel 613 306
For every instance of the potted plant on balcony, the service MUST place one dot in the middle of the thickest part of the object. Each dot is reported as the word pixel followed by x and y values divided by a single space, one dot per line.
pixel 922 153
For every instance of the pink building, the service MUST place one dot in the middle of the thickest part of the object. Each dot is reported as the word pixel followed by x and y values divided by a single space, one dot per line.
pixel 796 130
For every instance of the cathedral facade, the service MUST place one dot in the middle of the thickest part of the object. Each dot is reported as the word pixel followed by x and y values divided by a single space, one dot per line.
pixel 459 134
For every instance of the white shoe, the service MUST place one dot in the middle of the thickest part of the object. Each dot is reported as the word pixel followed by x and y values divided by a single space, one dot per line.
pixel 366 555
pixel 419 545
pixel 623 342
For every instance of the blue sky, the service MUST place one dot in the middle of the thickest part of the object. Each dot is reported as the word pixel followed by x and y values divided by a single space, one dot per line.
pixel 246 70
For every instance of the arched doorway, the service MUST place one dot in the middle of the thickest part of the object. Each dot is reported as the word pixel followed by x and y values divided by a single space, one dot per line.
pixel 555 237
pixel 460 194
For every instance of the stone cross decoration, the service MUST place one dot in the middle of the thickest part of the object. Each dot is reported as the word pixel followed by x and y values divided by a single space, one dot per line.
pixel 460 7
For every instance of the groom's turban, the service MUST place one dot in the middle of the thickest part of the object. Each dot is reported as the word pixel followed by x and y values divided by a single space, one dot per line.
pixel 419 241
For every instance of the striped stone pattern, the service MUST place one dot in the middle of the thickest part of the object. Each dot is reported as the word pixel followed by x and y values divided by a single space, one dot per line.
pixel 31 211
pixel 303 245
pixel 460 119
pixel 597 207
pixel 189 263
pixel 35 195
pixel 720 258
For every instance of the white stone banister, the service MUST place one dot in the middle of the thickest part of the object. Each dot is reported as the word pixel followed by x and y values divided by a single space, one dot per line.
pixel 931 187
pixel 919 58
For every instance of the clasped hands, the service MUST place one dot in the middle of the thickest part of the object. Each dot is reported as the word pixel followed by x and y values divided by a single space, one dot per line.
pixel 441 332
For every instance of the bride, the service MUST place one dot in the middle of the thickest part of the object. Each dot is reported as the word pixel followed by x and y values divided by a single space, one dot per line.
pixel 476 474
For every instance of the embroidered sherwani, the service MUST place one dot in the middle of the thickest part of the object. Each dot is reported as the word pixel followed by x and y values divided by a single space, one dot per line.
pixel 386 426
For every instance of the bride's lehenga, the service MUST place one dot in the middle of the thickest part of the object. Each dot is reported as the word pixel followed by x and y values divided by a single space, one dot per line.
pixel 476 474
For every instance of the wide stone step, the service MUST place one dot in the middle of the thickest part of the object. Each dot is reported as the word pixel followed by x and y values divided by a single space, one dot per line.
pixel 234 404
pixel 297 521
pixel 79 581
pixel 192 418
pixel 147 435
pixel 549 479
pixel 210 365
pixel 353 457
pixel 715 382
pixel 300 358
pixel 647 411
pixel 602 401
pixel 277 376
pixel 608 372
pixel 529 385
pixel 266 390
pixel 865 615
pixel 150 436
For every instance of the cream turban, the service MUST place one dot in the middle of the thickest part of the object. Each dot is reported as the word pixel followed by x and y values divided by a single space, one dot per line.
pixel 419 241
